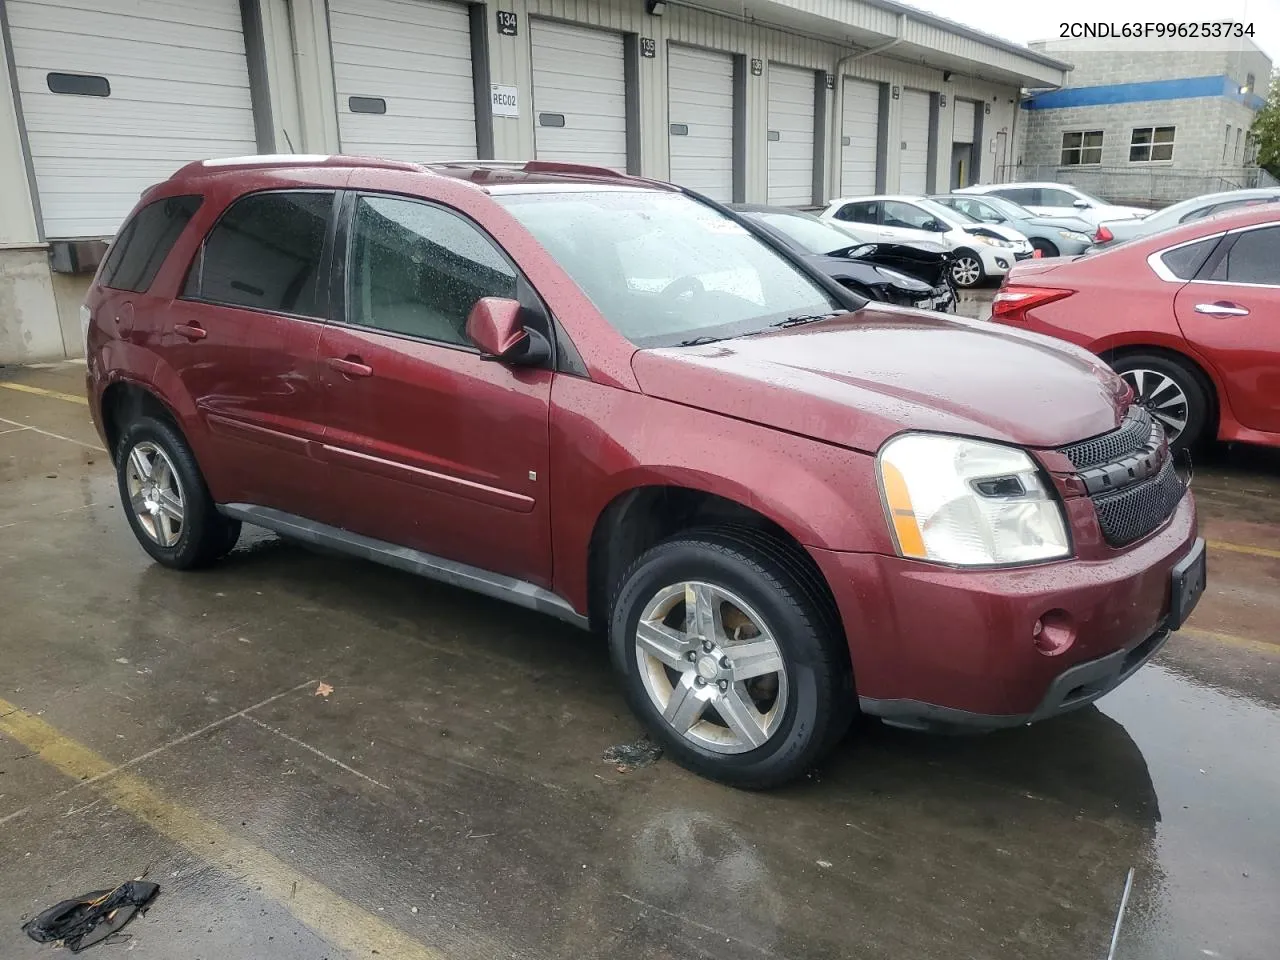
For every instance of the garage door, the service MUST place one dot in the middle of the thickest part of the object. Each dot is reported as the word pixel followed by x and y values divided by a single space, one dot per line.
pixel 860 138
pixel 579 95
pixel 963 125
pixel 117 94
pixel 700 109
pixel 914 169
pixel 791 105
pixel 402 72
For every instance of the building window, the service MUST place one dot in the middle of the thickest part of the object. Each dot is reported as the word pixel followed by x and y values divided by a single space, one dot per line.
pixel 1239 143
pixel 1226 144
pixel 1151 143
pixel 1080 147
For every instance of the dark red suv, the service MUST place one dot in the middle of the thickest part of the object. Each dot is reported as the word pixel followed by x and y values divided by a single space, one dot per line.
pixel 614 401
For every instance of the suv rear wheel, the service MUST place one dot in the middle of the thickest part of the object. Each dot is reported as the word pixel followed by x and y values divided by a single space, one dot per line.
pixel 166 500
pixel 731 657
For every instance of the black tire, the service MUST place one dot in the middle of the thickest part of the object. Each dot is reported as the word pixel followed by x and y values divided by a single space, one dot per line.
pixel 1046 248
pixel 961 274
pixel 1200 417
pixel 768 576
pixel 204 534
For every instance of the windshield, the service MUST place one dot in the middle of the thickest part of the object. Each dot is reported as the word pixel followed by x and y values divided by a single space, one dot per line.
pixel 808 232
pixel 1014 211
pixel 945 214
pixel 664 269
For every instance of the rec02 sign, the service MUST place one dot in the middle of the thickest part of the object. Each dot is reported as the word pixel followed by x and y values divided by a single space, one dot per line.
pixel 505 100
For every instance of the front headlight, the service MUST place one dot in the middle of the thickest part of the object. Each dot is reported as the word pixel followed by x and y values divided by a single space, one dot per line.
pixel 902 280
pixel 968 503
pixel 1073 235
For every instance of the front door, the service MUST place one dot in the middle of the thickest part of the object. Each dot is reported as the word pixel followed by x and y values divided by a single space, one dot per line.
pixel 1233 317
pixel 433 446
pixel 242 338
pixel 904 222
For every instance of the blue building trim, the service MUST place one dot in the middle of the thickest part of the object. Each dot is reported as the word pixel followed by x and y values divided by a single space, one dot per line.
pixel 1186 88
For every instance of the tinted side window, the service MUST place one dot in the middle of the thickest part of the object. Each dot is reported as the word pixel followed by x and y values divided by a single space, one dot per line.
pixel 145 241
pixel 1027 196
pixel 864 212
pixel 265 253
pixel 1255 258
pixel 418 270
pixel 1185 262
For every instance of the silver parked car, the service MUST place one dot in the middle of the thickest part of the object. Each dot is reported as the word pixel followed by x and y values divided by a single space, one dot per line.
pixel 1207 205
pixel 1052 236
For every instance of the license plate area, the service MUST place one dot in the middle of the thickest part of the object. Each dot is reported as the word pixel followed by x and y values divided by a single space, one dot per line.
pixel 1189 576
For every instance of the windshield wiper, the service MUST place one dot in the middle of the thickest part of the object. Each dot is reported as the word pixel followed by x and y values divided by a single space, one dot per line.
pixel 698 341
pixel 805 318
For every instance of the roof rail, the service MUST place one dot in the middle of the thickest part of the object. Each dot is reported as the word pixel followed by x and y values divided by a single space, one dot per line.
pixel 268 160
pixel 538 166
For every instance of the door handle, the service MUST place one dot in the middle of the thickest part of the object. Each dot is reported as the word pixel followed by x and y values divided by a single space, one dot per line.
pixel 350 366
pixel 192 331
pixel 1222 309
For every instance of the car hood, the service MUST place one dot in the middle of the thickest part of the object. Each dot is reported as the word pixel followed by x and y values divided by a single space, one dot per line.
pixel 857 379
pixel 1000 230
pixel 1120 213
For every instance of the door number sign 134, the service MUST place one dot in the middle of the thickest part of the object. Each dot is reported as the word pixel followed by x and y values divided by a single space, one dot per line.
pixel 507 23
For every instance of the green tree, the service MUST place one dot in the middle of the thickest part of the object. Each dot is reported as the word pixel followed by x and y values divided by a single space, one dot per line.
pixel 1266 129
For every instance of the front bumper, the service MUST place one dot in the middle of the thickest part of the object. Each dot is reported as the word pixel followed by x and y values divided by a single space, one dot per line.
pixel 936 647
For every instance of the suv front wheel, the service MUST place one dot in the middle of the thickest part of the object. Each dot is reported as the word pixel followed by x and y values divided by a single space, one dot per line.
pixel 732 657
pixel 166 500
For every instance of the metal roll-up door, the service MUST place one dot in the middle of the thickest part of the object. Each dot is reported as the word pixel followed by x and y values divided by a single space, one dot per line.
pixel 963 123
pixel 118 94
pixel 859 138
pixel 579 95
pixel 791 106
pixel 700 111
pixel 402 73
pixel 913 171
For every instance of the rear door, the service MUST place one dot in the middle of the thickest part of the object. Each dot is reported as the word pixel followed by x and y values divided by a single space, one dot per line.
pixel 242 337
pixel 1231 313
pixel 432 446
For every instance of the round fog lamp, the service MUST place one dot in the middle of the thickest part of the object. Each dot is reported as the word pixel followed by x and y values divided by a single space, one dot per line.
pixel 1053 633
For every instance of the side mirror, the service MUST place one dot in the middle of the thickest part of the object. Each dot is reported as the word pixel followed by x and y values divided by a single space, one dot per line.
pixel 496 327
pixel 1081 204
pixel 937 226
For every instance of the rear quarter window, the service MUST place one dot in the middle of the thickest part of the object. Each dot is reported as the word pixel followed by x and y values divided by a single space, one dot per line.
pixel 145 241
pixel 1185 262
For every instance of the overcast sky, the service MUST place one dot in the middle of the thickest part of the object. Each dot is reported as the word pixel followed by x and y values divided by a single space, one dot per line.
pixel 1027 20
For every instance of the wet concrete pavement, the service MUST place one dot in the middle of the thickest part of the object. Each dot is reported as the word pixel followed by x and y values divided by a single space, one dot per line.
pixel 448 799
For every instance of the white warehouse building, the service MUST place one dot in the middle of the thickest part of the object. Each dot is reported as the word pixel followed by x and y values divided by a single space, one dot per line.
pixel 785 101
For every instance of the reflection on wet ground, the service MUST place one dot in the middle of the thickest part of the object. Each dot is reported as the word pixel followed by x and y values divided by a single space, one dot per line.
pixel 448 799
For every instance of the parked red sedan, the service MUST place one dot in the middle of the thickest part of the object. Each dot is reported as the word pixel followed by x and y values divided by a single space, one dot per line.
pixel 1189 317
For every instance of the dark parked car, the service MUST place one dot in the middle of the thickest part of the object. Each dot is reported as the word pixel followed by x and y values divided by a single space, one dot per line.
pixel 1189 317
pixel 601 398
pixel 873 270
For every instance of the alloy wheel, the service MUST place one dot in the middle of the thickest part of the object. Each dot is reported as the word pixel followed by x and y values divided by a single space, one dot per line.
pixel 1163 398
pixel 155 493
pixel 711 667
pixel 966 271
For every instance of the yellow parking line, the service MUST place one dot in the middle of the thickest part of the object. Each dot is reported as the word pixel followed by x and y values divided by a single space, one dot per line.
pixel 42 392
pixel 1244 548
pixel 343 924
pixel 1244 643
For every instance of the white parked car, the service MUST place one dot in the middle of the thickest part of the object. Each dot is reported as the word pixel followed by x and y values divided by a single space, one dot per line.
pixel 1058 200
pixel 981 250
